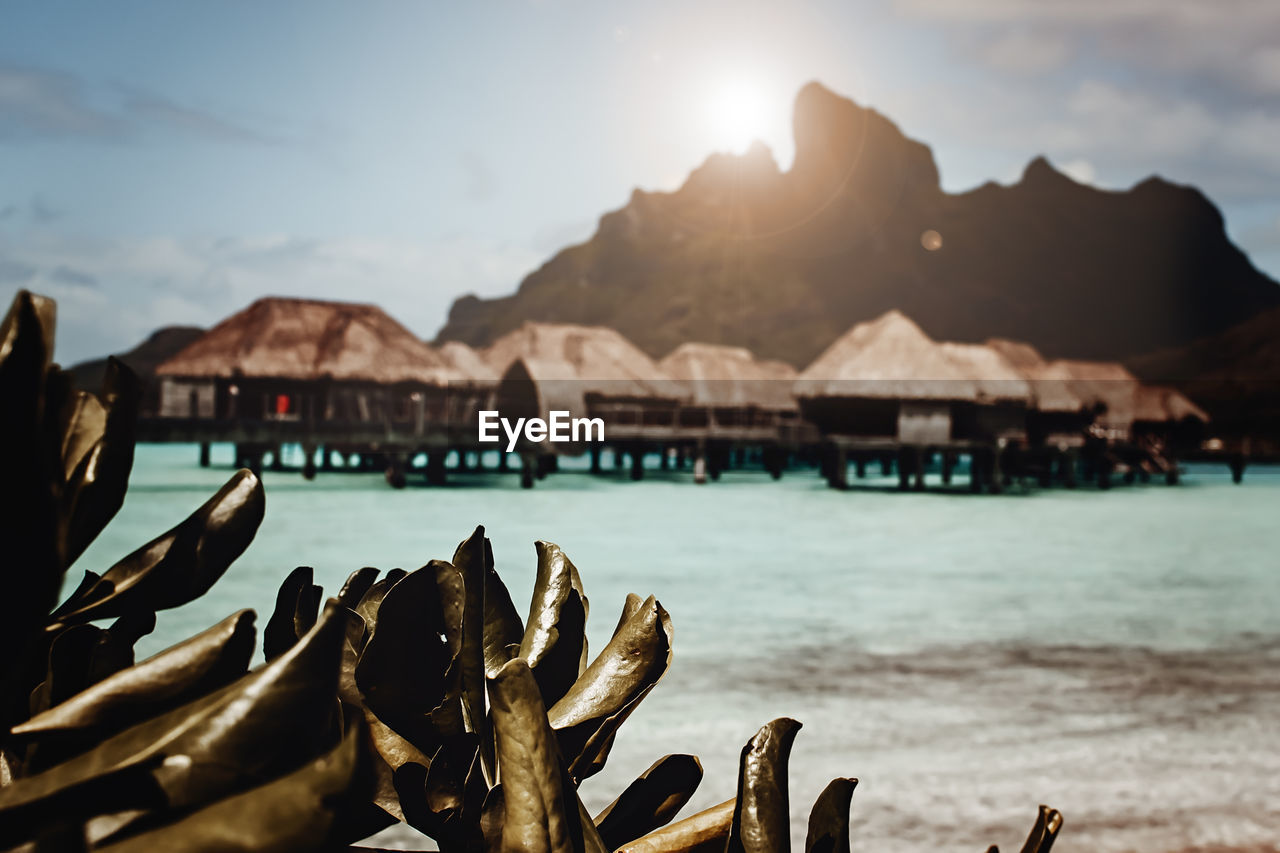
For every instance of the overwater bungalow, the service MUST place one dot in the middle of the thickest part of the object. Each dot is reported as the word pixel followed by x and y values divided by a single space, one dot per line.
pixel 736 403
pixel 312 371
pixel 587 371
pixel 884 379
pixel 885 388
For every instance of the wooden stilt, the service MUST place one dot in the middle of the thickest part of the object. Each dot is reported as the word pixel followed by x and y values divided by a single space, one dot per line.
pixel 775 459
pixel 904 468
pixel 948 465
pixel 395 470
pixel 917 466
pixel 995 477
pixel 860 466
pixel 637 463
pixel 700 464
pixel 308 461
pixel 839 476
pixel 1070 469
pixel 204 454
pixel 976 468
pixel 277 457
pixel 504 463
pixel 527 465
pixel 436 473
pixel 253 460
pixel 595 460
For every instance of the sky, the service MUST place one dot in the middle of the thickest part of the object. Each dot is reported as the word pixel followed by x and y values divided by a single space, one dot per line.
pixel 168 162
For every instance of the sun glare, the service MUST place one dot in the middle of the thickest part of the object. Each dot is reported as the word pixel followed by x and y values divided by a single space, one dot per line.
pixel 738 115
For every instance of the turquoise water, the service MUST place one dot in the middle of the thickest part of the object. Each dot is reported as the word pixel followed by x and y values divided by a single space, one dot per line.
pixel 1115 655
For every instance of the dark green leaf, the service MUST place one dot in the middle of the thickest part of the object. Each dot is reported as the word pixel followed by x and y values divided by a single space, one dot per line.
pixel 179 566
pixel 502 626
pixel 34 556
pixel 536 793
pixel 391 752
pixel 632 603
pixel 829 819
pixel 98 474
pixel 303 810
pixel 214 746
pixel 704 832
pixel 401 672
pixel 358 583
pixel 297 604
pixel 651 801
pixel 762 818
pixel 1044 832
pixel 554 641
pixel 194 667
pixel 615 682
pixel 470 559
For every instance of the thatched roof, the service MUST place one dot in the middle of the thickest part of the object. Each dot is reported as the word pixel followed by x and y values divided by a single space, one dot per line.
pixel 1051 394
pixel 730 377
pixel 1020 354
pixel 1167 404
pixel 598 360
pixel 996 377
pixel 470 362
pixel 888 358
pixel 1103 385
pixel 310 339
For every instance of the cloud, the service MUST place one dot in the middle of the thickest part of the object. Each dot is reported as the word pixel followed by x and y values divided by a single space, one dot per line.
pixel 150 108
pixel 113 293
pixel 1230 45
pixel 1024 52
pixel 76 278
pixel 14 272
pixel 38 104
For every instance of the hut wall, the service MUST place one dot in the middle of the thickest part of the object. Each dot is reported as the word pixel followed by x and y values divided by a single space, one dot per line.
pixel 987 422
pixel 1057 428
pixel 924 422
pixel 183 398
pixel 855 416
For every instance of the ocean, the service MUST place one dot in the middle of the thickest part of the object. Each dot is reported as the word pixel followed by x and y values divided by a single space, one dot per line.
pixel 1115 655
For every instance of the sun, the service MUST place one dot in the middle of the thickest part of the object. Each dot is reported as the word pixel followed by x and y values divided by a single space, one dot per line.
pixel 738 114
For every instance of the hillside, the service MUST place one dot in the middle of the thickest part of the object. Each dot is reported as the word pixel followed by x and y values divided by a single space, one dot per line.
pixel 143 359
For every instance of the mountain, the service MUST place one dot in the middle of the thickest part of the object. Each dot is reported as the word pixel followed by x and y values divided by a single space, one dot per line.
pixel 143 359
pixel 785 262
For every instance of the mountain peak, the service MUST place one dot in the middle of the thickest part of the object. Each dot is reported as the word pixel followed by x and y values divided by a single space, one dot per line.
pixel 1040 170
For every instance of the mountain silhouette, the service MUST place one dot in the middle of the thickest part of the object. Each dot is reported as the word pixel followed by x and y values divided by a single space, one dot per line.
pixel 784 262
